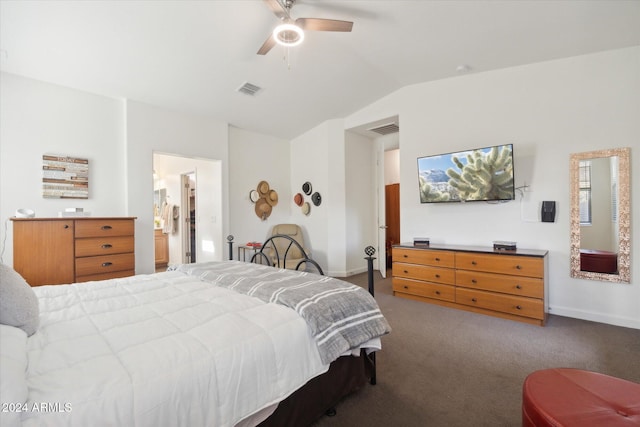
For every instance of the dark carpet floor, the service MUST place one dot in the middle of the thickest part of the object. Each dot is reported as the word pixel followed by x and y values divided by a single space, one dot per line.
pixel 446 367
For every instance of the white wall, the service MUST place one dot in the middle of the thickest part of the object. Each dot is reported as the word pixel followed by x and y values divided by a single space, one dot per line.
pixel 309 160
pixel 361 207
pixel 392 167
pixel 117 136
pixel 547 110
pixel 210 240
pixel 38 118
pixel 318 156
pixel 334 205
pixel 341 165
pixel 150 129
pixel 255 157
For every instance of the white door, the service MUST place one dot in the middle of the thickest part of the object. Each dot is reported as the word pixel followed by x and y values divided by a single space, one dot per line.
pixel 188 217
pixel 382 221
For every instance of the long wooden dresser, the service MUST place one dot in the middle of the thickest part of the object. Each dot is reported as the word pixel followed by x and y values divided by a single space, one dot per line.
pixel 507 284
pixel 52 251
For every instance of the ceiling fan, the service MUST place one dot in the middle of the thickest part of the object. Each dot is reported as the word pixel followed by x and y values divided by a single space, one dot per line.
pixel 291 32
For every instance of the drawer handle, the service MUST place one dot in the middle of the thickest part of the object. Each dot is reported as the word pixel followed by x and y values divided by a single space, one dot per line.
pixel 474 300
pixel 405 256
pixel 107 264
pixel 474 281
pixel 406 272
pixel 406 287
pixel 518 287
pixel 437 259
pixel 474 263
pixel 519 307
pixel 106 227
pixel 437 292
pixel 518 267
pixel 66 226
pixel 437 276
pixel 107 246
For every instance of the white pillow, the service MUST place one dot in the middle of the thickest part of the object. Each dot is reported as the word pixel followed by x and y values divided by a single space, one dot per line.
pixel 13 368
pixel 18 302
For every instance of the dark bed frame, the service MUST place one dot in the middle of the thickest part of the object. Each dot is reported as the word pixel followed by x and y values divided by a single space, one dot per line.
pixel 347 374
pixel 269 247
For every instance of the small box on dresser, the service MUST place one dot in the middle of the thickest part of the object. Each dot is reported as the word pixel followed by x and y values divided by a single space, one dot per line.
pixel 507 284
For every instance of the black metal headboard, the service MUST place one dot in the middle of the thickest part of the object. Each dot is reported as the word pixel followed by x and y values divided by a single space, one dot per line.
pixel 277 255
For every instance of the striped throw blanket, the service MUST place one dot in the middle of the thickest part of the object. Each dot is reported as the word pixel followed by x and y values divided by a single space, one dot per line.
pixel 340 315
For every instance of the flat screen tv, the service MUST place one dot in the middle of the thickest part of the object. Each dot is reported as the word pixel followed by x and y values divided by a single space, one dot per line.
pixel 483 174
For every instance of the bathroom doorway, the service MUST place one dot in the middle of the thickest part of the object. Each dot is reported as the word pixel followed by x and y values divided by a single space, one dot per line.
pixel 197 209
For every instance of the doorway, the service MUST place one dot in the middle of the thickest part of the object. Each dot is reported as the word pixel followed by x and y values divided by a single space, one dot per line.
pixel 388 170
pixel 199 221
pixel 392 210
pixel 384 138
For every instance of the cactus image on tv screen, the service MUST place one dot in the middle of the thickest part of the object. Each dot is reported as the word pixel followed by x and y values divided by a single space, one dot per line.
pixel 483 174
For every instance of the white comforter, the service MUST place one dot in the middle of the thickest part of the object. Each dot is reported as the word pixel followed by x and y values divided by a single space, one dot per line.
pixel 161 350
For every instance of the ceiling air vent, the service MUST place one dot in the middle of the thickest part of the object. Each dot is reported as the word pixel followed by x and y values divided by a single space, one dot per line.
pixel 387 129
pixel 249 89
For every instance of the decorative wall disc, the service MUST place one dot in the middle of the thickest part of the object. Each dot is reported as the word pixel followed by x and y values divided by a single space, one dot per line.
pixel 316 198
pixel 263 188
pixel 306 187
pixel 263 209
pixel 272 197
pixel 306 208
pixel 264 199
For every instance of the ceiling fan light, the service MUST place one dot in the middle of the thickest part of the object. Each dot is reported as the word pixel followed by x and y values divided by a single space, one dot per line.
pixel 288 35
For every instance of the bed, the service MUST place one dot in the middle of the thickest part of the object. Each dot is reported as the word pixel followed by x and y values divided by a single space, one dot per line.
pixel 216 344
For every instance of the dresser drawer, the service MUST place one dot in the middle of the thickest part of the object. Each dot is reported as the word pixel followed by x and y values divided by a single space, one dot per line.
pixel 104 227
pixel 422 256
pixel 504 264
pixel 520 306
pixel 423 272
pixel 104 264
pixel 423 289
pixel 105 276
pixel 104 246
pixel 515 285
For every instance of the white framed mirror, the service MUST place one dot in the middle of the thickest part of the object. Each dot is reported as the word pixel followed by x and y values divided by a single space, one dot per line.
pixel 601 215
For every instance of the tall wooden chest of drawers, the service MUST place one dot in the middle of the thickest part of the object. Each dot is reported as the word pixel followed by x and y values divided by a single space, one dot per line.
pixel 52 251
pixel 507 284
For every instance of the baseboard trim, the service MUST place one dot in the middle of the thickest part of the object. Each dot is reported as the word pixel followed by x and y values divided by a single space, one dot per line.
pixel 595 317
pixel 346 273
pixel 356 271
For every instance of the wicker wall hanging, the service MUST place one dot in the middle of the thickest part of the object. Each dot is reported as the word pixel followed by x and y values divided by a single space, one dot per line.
pixel 264 199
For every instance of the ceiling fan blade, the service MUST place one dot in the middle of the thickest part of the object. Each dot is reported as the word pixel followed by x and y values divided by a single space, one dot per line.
pixel 276 7
pixel 267 45
pixel 316 24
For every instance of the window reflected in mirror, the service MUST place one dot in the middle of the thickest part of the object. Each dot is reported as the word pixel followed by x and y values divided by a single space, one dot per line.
pixel 585 192
pixel 600 215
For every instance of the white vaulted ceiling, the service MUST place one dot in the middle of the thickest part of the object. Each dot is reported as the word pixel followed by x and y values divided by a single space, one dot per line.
pixel 192 55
